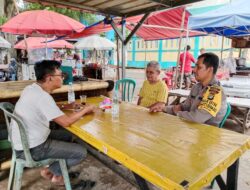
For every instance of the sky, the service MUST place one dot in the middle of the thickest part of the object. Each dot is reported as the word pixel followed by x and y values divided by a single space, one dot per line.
pixel 210 3
pixel 20 3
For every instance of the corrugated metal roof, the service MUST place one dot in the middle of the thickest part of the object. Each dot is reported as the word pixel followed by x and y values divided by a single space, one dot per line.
pixel 116 7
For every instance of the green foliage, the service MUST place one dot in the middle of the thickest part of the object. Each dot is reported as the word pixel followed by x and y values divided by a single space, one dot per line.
pixel 77 15
pixel 90 18
pixel 3 19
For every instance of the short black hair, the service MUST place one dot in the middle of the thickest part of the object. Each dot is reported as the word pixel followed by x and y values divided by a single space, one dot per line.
pixel 210 60
pixel 45 67
pixel 188 47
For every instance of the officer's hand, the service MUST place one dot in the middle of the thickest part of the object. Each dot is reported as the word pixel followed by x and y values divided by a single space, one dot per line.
pixel 158 107
pixel 176 109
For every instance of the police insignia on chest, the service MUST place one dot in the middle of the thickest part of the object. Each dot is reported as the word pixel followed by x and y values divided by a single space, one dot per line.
pixel 214 89
pixel 210 96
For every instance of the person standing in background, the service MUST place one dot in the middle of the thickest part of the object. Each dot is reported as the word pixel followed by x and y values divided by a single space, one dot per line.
pixel 229 64
pixel 24 56
pixel 57 56
pixel 12 69
pixel 189 59
pixel 202 50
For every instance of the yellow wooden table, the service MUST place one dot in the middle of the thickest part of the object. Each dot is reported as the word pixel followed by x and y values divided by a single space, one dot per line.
pixel 12 89
pixel 167 151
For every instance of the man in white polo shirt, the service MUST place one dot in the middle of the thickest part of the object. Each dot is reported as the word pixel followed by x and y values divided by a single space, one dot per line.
pixel 36 107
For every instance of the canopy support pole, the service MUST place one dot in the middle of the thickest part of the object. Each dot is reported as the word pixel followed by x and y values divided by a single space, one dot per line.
pixel 240 52
pixel 124 49
pixel 184 60
pixel 124 40
pixel 118 57
pixel 222 47
pixel 119 34
pixel 25 42
pixel 145 57
pixel 46 48
pixel 122 37
pixel 179 51
pixel 136 28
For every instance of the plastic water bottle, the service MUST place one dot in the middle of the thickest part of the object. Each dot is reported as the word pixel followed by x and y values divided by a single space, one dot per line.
pixel 115 107
pixel 71 94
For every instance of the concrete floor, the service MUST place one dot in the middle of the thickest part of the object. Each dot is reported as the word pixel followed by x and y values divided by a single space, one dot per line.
pixel 105 178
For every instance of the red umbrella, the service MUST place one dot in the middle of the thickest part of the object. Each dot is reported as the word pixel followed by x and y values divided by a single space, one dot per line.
pixel 39 42
pixel 42 22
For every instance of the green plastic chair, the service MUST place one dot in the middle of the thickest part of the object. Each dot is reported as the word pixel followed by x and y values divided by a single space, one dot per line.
pixel 17 164
pixel 4 144
pixel 226 115
pixel 128 88
pixel 220 126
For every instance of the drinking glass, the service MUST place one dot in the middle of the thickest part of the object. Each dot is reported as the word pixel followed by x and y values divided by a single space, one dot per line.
pixel 83 99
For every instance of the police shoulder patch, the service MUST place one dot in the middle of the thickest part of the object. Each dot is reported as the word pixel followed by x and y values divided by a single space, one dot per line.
pixel 211 100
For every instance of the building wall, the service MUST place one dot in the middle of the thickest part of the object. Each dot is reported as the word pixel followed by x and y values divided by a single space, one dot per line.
pixel 166 51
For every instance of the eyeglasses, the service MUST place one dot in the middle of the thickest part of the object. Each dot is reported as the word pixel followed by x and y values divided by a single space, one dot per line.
pixel 61 75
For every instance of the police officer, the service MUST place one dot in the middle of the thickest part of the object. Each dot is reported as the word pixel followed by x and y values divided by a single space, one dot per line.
pixel 206 102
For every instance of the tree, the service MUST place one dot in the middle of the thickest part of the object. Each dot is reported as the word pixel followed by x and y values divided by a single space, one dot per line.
pixel 8 9
pixel 3 19
pixel 77 15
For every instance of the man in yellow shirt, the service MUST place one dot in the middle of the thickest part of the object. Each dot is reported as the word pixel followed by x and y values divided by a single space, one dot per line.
pixel 154 91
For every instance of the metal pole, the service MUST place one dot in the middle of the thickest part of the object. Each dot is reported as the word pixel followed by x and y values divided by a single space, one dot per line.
pixel 222 47
pixel 124 49
pixel 118 57
pixel 46 48
pixel 27 70
pixel 179 51
pixel 25 42
pixel 184 60
pixel 145 56
pixel 136 28
pixel 124 40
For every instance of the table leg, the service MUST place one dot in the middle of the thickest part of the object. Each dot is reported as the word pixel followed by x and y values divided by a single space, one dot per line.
pixel 246 122
pixel 220 182
pixel 141 182
pixel 232 176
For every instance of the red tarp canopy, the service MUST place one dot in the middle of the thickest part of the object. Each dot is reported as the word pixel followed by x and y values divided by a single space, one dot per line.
pixel 39 42
pixel 159 25
pixel 171 19
pixel 42 22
